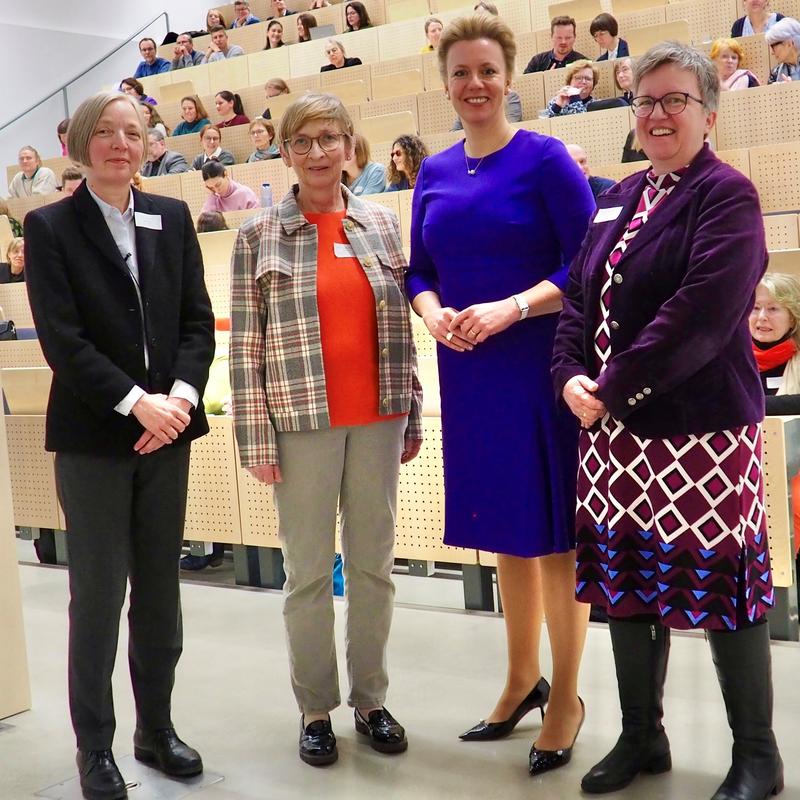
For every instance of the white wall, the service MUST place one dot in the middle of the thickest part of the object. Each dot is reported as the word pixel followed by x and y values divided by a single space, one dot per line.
pixel 51 41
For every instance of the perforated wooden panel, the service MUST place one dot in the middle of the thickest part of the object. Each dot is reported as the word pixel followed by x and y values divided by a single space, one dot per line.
pixel 516 14
pixel 166 185
pixel 618 171
pixel 391 105
pixel 394 66
pixel 6 234
pixel 305 58
pixel 420 504
pixel 234 219
pixel 436 115
pixel 386 199
pixel 775 171
pixel 740 159
pixel 193 190
pixel 530 89
pixel 430 71
pixel 577 9
pixel 437 142
pixel 642 18
pixel 787 261
pixel 33 483
pixel 173 92
pixel 601 133
pixel 257 511
pixel 197 75
pixel 539 125
pixel 268 64
pixel 252 38
pixel 401 10
pixel 328 81
pixel 622 7
pixel 740 121
pixel 397 84
pixel 381 152
pixel 424 342
pixel 539 15
pixel 212 503
pixel 218 285
pixel 781 231
pixel 642 39
pixel 777 498
pixel 351 93
pixel 18 207
pixel 23 353
pixel 375 8
pixel 304 83
pixel 707 18
pixel 237 140
pixel 151 83
pixel 15 305
pixel 187 145
pixel 230 74
pixel 253 175
pixel 405 199
pixel 254 100
pixel 388 127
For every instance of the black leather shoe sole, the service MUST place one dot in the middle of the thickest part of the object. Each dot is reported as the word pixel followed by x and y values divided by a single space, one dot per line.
pixel 319 760
pixel 377 744
pixel 150 758
pixel 93 794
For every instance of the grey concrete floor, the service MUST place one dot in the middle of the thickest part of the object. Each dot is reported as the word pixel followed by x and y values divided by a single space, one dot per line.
pixel 232 701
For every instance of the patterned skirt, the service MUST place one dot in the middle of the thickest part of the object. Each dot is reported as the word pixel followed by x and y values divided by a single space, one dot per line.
pixel 674 526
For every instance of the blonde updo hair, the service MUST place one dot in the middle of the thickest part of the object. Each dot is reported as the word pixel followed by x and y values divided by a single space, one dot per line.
pixel 472 28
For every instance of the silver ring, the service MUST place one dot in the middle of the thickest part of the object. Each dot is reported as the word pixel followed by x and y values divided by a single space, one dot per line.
pixel 449 336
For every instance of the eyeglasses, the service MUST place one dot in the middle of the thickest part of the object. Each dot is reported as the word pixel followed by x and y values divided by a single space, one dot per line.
pixel 583 78
pixel 396 153
pixel 776 44
pixel 672 103
pixel 301 145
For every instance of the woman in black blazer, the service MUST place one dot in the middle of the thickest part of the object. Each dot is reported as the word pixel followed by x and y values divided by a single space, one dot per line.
pixel 115 280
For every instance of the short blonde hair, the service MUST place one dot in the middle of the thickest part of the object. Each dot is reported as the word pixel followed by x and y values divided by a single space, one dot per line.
pixel 17 243
pixel 472 28
pixel 361 150
pixel 85 119
pixel 785 291
pixel 279 84
pixel 313 107
pixel 726 44
pixel 265 124
pixel 577 66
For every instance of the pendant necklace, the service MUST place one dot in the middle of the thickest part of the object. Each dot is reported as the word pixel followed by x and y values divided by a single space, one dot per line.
pixel 472 170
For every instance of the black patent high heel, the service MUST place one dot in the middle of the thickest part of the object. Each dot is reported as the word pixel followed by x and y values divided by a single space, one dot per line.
pixel 540 761
pixel 487 731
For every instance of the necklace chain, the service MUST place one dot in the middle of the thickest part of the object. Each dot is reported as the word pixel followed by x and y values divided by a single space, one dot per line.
pixel 472 170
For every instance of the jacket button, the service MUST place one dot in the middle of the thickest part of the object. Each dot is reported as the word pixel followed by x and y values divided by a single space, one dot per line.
pixel 386 402
pixel 367 262
pixel 631 401
pixel 639 396
pixel 382 305
pixel 617 278
pixel 614 325
pixel 385 352
pixel 348 225
pixel 647 390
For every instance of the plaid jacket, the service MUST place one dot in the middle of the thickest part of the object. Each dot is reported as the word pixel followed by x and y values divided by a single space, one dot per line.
pixel 277 374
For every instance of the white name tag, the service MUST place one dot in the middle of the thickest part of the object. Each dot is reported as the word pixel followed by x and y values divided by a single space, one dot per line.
pixel 607 214
pixel 775 383
pixel 343 250
pixel 152 221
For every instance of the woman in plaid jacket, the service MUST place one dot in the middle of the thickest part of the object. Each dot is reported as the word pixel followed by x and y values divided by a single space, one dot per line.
pixel 326 407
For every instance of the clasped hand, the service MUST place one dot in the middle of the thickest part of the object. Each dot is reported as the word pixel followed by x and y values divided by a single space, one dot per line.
pixel 579 395
pixel 462 330
pixel 163 419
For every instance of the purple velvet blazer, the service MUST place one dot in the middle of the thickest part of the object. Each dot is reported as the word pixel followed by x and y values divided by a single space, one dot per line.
pixel 681 354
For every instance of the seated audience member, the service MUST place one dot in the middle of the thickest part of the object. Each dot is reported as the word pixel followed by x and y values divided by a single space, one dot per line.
pixel 244 16
pixel 12 270
pixel 61 132
pixel 623 78
pixel 783 39
pixel 273 87
pixel 262 132
pixel 582 77
pixel 356 17
pixel 305 22
pixel 161 161
pixel 728 55
pixel 211 140
pixel 214 19
pixel 279 9
pixel 334 49
pixel 632 149
pixel 230 109
pixel 194 116
pixel 562 38
pixel 484 7
pixel 274 35
pixel 152 64
pixel 71 179
pixel 16 225
pixel 407 154
pixel 362 176
pixel 32 178
pixel 315 4
pixel 135 89
pixel 597 185
pixel 225 194
pixel 605 31
pixel 757 19
pixel 153 118
pixel 211 221
pixel 513 110
pixel 220 48
pixel 433 32
pixel 184 54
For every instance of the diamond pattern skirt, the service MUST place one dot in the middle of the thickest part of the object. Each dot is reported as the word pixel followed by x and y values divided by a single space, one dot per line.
pixel 674 526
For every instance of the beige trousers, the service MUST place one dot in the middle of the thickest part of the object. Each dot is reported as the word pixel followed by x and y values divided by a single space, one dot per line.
pixel 355 468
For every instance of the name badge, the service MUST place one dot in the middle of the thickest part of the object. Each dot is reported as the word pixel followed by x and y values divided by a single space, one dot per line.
pixel 343 250
pixel 775 383
pixel 607 214
pixel 142 220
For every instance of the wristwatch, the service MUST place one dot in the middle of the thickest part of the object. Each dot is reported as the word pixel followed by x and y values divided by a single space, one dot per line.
pixel 522 305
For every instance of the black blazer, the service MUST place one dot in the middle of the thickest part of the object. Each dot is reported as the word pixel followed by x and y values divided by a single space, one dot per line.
pixel 622 51
pixel 348 62
pixel 89 324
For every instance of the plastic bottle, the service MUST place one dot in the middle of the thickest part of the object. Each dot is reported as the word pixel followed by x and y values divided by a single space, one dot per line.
pixel 266 195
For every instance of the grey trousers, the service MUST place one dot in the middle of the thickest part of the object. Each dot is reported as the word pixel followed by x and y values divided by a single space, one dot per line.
pixel 125 519
pixel 356 468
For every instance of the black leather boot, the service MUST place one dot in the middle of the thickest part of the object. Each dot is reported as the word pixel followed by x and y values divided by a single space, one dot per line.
pixel 99 776
pixel 744 670
pixel 641 652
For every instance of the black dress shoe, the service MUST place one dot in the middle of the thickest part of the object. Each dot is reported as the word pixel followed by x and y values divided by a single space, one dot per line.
pixel 485 731
pixel 166 752
pixel 540 761
pixel 317 743
pixel 386 734
pixel 99 775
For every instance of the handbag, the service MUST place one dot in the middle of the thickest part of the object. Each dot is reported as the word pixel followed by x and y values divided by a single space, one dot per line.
pixel 8 331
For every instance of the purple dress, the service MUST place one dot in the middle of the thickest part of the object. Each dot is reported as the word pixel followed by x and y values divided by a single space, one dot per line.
pixel 509 450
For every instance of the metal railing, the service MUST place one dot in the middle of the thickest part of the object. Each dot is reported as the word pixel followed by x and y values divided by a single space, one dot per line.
pixel 63 89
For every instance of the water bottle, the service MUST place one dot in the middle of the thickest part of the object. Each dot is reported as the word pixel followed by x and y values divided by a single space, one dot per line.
pixel 266 195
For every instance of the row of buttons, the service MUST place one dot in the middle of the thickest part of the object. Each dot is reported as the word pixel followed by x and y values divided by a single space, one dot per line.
pixel 632 401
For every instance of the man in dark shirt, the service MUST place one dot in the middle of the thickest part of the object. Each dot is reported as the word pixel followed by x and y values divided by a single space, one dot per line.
pixel 562 37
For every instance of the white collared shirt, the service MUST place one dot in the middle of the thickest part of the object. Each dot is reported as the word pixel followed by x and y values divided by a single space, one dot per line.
pixel 122 226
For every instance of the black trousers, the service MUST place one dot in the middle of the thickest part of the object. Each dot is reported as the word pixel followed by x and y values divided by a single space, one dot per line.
pixel 125 518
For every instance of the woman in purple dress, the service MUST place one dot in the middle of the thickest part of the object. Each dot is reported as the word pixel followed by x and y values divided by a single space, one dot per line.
pixel 671 526
pixel 496 220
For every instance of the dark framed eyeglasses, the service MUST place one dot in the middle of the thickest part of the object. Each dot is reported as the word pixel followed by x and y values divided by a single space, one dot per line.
pixel 300 145
pixel 671 103
pixel 776 44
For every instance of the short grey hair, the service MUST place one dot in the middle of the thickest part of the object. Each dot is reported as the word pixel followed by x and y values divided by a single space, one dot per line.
pixel 784 30
pixel 85 119
pixel 338 43
pixel 156 134
pixel 684 57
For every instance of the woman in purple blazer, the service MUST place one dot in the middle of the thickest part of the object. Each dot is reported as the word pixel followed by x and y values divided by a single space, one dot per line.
pixel 658 369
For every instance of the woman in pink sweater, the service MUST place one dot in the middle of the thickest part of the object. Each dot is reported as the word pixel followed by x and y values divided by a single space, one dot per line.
pixel 226 195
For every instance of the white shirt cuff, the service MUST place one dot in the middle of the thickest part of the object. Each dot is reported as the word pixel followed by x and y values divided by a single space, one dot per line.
pixel 186 391
pixel 127 403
